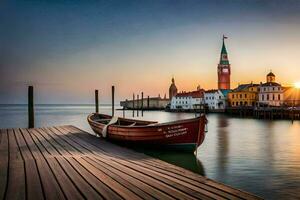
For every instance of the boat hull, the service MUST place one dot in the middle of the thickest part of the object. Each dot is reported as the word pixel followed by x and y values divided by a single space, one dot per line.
pixel 183 132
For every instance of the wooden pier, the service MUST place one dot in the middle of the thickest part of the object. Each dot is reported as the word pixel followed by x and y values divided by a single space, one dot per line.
pixel 65 162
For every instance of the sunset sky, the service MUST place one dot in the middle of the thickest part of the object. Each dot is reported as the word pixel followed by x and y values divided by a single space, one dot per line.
pixel 66 50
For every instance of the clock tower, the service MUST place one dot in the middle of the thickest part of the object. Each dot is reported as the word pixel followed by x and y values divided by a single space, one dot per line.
pixel 224 69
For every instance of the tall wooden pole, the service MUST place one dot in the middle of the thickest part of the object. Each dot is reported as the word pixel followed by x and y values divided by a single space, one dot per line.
pixel 133 105
pixel 148 102
pixel 30 108
pixel 113 100
pixel 97 101
pixel 137 105
pixel 124 108
pixel 142 106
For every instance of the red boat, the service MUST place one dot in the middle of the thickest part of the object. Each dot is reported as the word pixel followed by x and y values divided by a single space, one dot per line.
pixel 182 132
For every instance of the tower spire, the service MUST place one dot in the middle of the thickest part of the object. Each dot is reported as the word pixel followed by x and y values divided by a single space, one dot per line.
pixel 224 56
pixel 224 68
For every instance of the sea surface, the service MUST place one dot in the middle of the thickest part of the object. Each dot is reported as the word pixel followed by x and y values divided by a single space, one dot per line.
pixel 259 156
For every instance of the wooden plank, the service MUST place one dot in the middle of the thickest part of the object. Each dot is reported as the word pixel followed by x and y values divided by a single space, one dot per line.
pixel 176 183
pixel 120 189
pixel 214 185
pixel 67 185
pixel 43 143
pixel 130 181
pixel 34 186
pixel 122 178
pixel 158 184
pixel 54 142
pixel 68 144
pixel 16 178
pixel 48 179
pixel 196 190
pixel 4 162
pixel 129 154
pixel 126 153
pixel 95 179
pixel 80 183
pixel 114 185
pixel 70 191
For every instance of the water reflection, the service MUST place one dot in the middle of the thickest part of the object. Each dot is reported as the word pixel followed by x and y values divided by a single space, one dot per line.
pixel 223 146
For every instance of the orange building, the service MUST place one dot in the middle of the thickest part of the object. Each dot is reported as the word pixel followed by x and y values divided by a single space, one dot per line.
pixel 243 95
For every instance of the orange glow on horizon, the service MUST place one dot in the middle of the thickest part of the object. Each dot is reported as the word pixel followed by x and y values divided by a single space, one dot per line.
pixel 297 85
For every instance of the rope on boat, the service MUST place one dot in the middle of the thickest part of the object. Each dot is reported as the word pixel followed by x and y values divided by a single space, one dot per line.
pixel 113 120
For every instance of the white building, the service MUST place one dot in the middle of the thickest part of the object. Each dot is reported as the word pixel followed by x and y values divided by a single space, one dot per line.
pixel 270 93
pixel 187 100
pixel 215 100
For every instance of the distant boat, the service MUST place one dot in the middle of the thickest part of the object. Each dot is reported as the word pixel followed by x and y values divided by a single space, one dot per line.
pixel 182 132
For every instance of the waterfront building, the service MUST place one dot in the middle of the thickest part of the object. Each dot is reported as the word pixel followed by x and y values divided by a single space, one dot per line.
pixel 270 93
pixel 188 100
pixel 172 89
pixel 224 70
pixel 151 103
pixel 243 95
pixel 215 100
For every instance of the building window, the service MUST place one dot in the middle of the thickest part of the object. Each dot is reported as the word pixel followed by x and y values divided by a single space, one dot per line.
pixel 263 97
pixel 273 97
pixel 241 96
pixel 245 95
pixel 279 97
pixel 267 97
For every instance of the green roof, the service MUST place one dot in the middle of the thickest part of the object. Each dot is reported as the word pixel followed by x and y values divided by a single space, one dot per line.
pixel 223 51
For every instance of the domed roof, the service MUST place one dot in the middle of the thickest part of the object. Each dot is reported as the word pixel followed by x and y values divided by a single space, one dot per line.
pixel 270 74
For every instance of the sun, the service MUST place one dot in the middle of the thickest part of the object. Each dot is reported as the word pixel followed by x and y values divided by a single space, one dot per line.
pixel 297 85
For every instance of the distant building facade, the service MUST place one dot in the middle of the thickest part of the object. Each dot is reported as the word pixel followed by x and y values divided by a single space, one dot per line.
pixel 151 103
pixel 243 95
pixel 216 100
pixel 188 100
pixel 172 89
pixel 224 70
pixel 271 93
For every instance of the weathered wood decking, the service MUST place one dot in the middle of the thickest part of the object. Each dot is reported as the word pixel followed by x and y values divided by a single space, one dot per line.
pixel 67 163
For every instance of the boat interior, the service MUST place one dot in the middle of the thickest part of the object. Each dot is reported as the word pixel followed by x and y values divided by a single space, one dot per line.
pixel 105 119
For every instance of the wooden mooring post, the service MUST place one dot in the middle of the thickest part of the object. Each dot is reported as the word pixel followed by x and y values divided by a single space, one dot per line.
pixel 133 105
pixel 30 107
pixel 142 106
pixel 96 101
pixel 124 108
pixel 148 102
pixel 112 100
pixel 137 105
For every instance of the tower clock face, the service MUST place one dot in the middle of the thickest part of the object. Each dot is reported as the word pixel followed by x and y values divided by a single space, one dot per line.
pixel 225 70
pixel 224 56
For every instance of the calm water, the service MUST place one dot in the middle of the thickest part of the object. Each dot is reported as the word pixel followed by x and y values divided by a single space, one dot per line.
pixel 262 157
